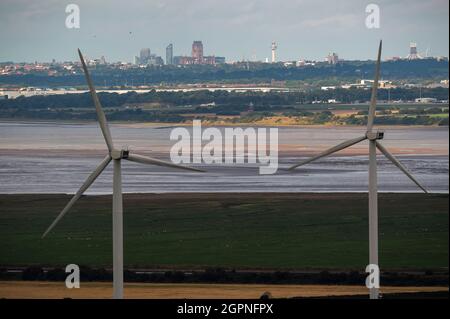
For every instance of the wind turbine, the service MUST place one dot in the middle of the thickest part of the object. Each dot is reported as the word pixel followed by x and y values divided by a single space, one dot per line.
pixel 374 137
pixel 115 155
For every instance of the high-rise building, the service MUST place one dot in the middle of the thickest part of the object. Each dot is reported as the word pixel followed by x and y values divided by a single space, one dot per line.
pixel 155 60
pixel 197 52
pixel 147 58
pixel 413 55
pixel 274 48
pixel 197 56
pixel 144 55
pixel 332 58
pixel 169 54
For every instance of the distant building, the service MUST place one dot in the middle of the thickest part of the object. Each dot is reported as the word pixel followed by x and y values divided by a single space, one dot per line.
pixel 144 55
pixel 182 60
pixel 169 54
pixel 366 84
pixel 426 100
pixel 332 58
pixel 209 60
pixel 382 84
pixel 219 60
pixel 155 60
pixel 413 55
pixel 274 49
pixel 440 84
pixel 101 61
pixel 197 57
pixel 304 62
pixel 197 52
pixel 327 88
pixel 147 58
pixel 277 83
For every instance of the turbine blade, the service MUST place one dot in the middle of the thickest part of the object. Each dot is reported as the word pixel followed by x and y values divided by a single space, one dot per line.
pixel 399 165
pixel 98 107
pixel 373 99
pixel 153 161
pixel 91 178
pixel 331 150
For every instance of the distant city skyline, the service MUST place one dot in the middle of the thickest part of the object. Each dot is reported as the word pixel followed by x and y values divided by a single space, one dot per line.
pixel 302 29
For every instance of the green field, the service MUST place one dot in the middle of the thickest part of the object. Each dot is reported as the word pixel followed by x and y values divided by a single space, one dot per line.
pixel 290 231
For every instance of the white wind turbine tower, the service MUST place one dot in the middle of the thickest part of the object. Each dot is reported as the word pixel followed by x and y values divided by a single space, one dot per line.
pixel 373 137
pixel 115 155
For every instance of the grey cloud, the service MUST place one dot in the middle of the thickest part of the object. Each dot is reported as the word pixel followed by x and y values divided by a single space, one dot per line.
pixel 32 30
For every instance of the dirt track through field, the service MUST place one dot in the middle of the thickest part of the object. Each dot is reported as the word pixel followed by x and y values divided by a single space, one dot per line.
pixel 55 290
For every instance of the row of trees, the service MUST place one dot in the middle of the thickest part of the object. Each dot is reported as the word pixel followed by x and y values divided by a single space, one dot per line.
pixel 231 101
pixel 133 115
pixel 138 115
pixel 220 275
pixel 241 72
pixel 396 120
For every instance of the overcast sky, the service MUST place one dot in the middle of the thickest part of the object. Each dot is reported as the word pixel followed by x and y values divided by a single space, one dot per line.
pixel 236 29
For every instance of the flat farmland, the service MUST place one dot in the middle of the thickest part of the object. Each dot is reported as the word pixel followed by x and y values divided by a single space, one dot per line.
pixel 56 290
pixel 255 231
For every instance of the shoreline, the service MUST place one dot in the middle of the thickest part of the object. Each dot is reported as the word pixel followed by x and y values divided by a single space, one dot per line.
pixel 207 124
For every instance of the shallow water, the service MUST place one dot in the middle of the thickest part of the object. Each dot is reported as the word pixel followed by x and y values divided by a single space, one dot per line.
pixel 56 158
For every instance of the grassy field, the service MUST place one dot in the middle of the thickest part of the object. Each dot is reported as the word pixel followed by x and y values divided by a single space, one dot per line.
pixel 27 289
pixel 289 231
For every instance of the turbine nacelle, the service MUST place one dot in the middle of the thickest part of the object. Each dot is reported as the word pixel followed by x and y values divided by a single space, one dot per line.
pixel 119 154
pixel 373 136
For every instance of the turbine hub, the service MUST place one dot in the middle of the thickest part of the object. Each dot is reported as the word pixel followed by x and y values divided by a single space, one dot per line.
pixel 373 136
pixel 119 154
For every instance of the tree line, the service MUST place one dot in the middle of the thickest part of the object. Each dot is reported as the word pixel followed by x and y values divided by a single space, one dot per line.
pixel 232 100
pixel 221 275
pixel 244 72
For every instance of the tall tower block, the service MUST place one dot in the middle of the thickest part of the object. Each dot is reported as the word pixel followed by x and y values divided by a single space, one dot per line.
pixel 169 54
pixel 413 55
pixel 197 52
pixel 274 48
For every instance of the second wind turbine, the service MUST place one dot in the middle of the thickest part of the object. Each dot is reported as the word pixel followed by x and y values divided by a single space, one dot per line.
pixel 374 138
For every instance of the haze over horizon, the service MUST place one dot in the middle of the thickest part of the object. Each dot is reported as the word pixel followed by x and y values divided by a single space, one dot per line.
pixel 35 31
